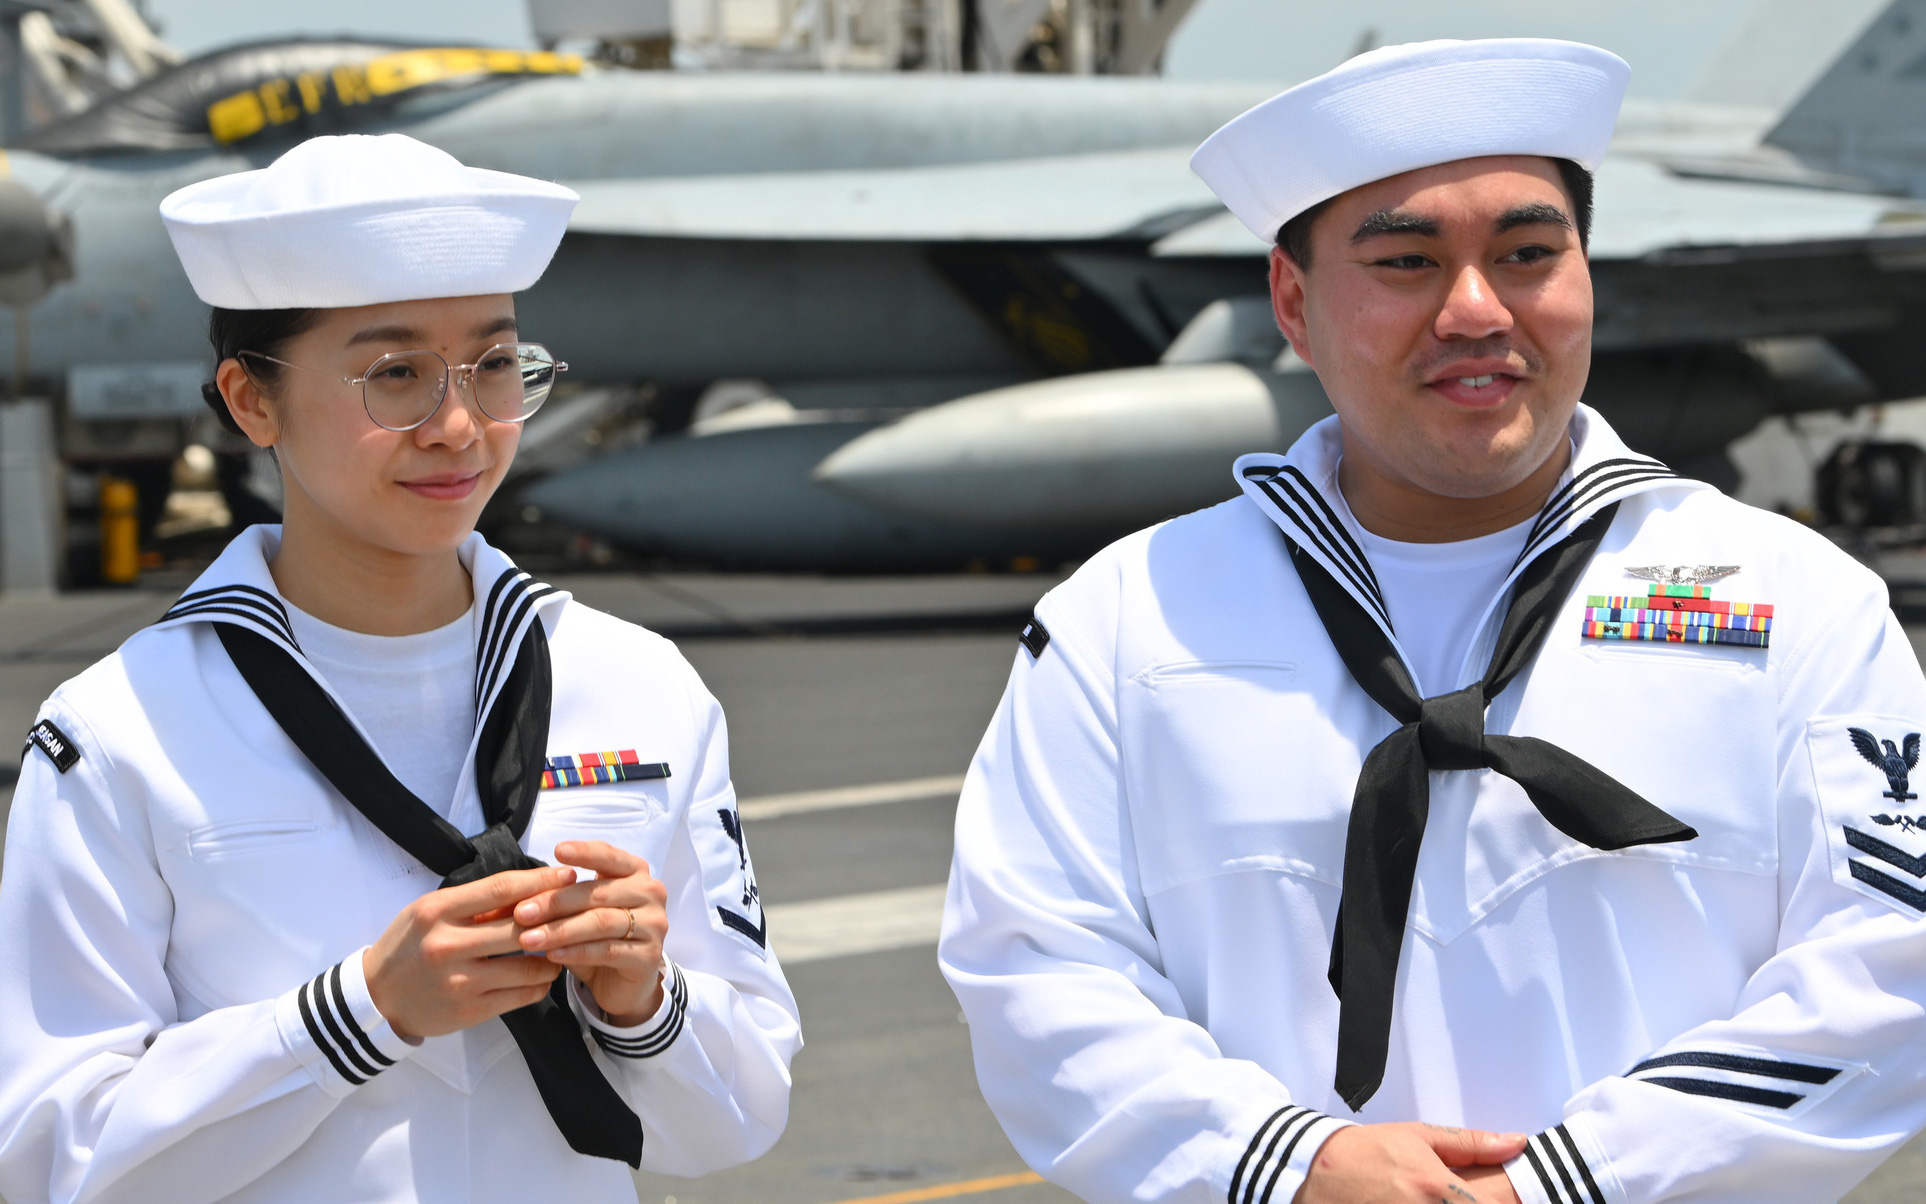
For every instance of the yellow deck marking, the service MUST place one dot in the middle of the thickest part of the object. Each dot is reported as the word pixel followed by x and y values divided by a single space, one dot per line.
pixel 946 1191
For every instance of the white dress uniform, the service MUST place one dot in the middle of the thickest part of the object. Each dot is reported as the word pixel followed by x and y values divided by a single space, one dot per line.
pixel 1151 840
pixel 187 901
pixel 197 855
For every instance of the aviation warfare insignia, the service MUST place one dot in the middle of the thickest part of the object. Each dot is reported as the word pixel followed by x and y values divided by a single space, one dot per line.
pixel 1678 608
pixel 601 768
pixel 60 749
pixel 1682 574
pixel 1897 765
pixel 1905 823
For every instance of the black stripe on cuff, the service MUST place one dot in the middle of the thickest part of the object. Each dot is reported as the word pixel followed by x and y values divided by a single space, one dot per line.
pixel 1290 1147
pixel 320 1038
pixel 662 1036
pixel 347 1018
pixel 329 1021
pixel 1544 1176
pixel 1584 1172
pixel 1257 1138
pixel 1558 1164
pixel 1290 1120
pixel 1553 1157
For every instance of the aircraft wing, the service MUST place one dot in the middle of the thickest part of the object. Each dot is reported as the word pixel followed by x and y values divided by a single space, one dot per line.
pixel 1645 211
pixel 1139 193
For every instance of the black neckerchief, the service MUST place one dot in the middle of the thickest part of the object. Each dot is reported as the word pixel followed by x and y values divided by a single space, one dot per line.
pixel 1447 732
pixel 508 774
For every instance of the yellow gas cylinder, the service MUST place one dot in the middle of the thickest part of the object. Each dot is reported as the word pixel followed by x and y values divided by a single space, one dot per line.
pixel 119 531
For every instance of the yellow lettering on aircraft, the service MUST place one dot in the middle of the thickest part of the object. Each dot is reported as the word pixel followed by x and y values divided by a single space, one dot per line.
pixel 274 102
pixel 236 117
pixel 245 114
pixel 311 93
pixel 350 86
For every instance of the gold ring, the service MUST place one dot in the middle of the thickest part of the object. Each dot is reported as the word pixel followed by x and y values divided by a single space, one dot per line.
pixel 631 932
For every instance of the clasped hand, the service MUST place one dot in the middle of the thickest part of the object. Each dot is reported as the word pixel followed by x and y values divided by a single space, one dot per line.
pixel 439 968
pixel 1412 1164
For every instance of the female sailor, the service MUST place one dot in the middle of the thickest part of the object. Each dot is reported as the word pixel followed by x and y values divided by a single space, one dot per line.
pixel 378 870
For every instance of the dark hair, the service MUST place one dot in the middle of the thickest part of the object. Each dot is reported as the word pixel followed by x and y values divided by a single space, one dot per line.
pixel 267 331
pixel 1295 235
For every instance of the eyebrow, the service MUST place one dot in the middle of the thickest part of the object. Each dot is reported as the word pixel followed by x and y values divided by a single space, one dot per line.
pixel 1399 221
pixel 386 334
pixel 1394 221
pixel 1537 213
pixel 408 334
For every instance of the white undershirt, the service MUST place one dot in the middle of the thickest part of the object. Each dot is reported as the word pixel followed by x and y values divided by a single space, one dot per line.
pixel 413 694
pixel 1437 592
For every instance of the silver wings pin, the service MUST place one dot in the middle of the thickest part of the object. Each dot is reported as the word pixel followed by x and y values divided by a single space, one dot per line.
pixel 1682 574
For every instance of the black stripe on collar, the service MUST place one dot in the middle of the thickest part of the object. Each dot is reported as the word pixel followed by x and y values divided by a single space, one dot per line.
pixel 242 601
pixel 1586 489
pixel 1360 578
pixel 501 596
pixel 1335 524
pixel 517 602
pixel 1353 576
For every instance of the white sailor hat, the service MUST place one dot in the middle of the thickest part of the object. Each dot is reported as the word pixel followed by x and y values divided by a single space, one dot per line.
pixel 1400 108
pixel 360 219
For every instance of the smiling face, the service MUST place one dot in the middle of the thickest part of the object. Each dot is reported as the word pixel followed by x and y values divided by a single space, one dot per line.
pixel 1448 313
pixel 408 493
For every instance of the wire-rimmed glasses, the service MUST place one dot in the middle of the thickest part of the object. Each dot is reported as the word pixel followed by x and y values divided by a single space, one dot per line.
pixel 403 389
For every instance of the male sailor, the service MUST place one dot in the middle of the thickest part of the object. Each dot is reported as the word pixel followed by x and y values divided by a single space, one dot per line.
pixel 1471 809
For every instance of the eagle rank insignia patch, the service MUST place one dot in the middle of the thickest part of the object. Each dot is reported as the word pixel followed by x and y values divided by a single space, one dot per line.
pixel 1878 836
pixel 600 769
pixel 1678 608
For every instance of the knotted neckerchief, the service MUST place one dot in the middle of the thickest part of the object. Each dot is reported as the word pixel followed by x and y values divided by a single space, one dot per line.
pixel 1447 732
pixel 508 774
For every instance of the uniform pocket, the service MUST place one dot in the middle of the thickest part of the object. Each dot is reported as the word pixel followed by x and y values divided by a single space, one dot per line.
pixel 603 806
pixel 629 816
pixel 242 837
pixel 1234 766
pixel 1264 674
pixel 1637 655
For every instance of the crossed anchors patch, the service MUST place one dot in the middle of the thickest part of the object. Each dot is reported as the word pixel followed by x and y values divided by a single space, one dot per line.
pixel 1878 857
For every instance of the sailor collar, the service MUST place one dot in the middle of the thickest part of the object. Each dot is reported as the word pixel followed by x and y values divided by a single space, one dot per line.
pixel 238 588
pixel 1299 492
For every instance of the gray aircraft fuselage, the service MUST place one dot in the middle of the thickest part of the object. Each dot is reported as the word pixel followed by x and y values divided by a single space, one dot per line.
pixel 677 311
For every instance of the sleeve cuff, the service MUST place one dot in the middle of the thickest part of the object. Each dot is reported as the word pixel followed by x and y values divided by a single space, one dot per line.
pixel 1279 1155
pixel 1552 1171
pixel 333 1027
pixel 644 1040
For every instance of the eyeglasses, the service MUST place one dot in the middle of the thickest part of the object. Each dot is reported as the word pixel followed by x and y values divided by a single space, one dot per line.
pixel 403 389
